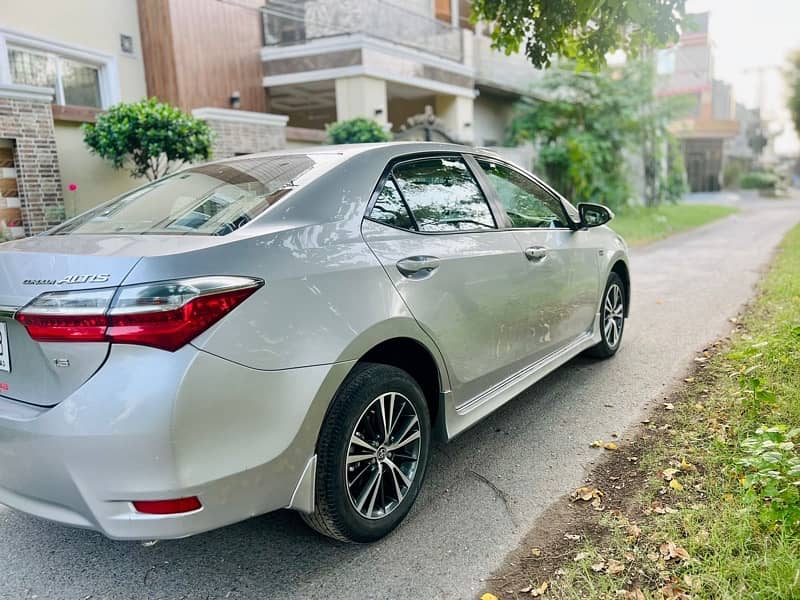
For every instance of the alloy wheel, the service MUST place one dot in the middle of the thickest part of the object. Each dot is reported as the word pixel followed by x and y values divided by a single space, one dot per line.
pixel 613 314
pixel 383 455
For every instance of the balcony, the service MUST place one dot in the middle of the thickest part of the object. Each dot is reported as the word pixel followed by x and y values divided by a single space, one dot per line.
pixel 288 22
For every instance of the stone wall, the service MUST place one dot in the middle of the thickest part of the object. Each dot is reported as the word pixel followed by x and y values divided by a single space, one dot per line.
pixel 241 132
pixel 26 120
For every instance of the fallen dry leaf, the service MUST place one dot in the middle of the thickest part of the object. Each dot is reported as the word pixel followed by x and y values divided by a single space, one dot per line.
pixel 634 530
pixel 670 550
pixel 673 592
pixel 635 594
pixel 669 406
pixel 676 485
pixel 614 567
pixel 536 552
pixel 581 556
pixel 689 380
pixel 540 591
pixel 598 567
pixel 687 466
pixel 587 493
pixel 596 444
pixel 488 596
pixel 668 474
pixel 526 590
pixel 610 446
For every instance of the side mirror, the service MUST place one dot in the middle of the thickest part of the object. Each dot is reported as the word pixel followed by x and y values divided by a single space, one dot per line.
pixel 594 215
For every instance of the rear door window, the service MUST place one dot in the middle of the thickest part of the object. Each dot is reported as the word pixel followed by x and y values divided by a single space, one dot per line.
pixel 442 195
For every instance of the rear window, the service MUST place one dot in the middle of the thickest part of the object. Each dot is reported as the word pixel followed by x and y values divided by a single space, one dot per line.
pixel 213 199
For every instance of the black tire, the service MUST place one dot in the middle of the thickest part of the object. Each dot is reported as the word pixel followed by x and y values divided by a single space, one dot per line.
pixel 336 514
pixel 607 348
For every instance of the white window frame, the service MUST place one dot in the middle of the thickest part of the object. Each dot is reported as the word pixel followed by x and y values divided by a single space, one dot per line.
pixel 106 64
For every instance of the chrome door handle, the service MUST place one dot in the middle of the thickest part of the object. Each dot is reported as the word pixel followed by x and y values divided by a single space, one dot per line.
pixel 418 267
pixel 536 253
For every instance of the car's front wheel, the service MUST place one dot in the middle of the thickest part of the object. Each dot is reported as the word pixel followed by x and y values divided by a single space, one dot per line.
pixel 372 454
pixel 612 318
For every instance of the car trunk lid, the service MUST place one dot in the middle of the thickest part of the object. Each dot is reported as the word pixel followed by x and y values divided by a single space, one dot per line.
pixel 45 374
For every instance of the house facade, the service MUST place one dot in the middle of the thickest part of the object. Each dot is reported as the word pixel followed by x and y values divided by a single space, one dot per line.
pixel 61 63
pixel 263 74
pixel 708 132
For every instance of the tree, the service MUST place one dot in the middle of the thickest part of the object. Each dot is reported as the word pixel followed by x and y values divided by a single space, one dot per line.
pixel 357 131
pixel 584 31
pixel 583 124
pixel 148 137
pixel 793 79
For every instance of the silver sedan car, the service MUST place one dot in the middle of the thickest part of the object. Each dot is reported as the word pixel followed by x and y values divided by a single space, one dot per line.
pixel 288 330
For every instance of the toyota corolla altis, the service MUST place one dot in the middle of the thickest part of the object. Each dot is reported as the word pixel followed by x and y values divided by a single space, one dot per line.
pixel 288 330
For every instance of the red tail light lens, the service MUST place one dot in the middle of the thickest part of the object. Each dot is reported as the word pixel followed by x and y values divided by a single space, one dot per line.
pixel 165 315
pixel 77 316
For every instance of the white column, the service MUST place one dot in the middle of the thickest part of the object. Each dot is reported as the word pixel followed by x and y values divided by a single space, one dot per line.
pixel 361 97
pixel 458 115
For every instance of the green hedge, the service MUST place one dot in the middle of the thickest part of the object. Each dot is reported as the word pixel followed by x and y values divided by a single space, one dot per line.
pixel 758 180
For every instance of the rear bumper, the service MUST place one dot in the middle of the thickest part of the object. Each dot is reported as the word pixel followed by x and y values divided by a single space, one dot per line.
pixel 151 426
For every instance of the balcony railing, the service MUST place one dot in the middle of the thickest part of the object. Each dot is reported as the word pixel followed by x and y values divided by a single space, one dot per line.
pixel 289 22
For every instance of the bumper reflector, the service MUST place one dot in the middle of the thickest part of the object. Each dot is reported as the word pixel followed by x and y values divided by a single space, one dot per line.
pixel 167 507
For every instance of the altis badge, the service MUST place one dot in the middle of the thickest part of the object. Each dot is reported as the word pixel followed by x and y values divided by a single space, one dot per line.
pixel 69 280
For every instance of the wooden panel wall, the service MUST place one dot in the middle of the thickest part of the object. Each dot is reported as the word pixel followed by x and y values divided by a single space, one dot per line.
pixel 198 52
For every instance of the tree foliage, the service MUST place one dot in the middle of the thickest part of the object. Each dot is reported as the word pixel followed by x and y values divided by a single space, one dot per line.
pixel 580 30
pixel 357 131
pixel 793 79
pixel 148 137
pixel 585 123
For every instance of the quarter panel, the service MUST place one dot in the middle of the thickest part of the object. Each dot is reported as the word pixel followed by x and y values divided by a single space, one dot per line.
pixel 324 288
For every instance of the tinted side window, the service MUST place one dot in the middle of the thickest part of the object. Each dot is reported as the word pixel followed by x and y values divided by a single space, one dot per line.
pixel 390 209
pixel 526 204
pixel 443 195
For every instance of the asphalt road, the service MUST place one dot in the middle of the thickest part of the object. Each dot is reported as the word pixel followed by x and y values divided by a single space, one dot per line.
pixel 534 450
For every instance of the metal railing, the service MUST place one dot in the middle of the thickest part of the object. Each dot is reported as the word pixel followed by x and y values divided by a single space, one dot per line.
pixel 288 22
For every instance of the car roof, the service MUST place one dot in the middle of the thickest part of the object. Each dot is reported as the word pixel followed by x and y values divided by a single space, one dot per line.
pixel 388 149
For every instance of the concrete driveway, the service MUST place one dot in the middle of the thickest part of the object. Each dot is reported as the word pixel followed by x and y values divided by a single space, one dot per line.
pixel 532 451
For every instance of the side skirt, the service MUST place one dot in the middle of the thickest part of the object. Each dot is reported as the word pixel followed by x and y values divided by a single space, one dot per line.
pixel 465 416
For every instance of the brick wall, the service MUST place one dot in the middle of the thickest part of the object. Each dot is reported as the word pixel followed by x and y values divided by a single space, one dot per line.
pixel 242 132
pixel 28 124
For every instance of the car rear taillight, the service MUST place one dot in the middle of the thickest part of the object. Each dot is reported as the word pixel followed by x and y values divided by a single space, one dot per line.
pixel 165 315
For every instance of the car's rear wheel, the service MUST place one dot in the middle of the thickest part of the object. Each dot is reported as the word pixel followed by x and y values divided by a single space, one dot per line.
pixel 612 318
pixel 372 454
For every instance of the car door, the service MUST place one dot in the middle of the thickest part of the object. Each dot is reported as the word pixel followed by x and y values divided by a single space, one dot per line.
pixel 432 228
pixel 563 267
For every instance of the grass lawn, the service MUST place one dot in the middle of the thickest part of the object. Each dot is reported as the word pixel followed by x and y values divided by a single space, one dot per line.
pixel 703 500
pixel 640 225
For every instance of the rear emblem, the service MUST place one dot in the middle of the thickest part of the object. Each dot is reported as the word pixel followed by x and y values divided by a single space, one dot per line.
pixel 69 280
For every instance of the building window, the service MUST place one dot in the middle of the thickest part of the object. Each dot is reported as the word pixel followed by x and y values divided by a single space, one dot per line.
pixel 665 61
pixel 75 83
pixel 443 10
pixel 79 76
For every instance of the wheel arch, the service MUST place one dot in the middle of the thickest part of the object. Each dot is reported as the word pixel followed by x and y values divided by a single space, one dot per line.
pixel 620 267
pixel 418 361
